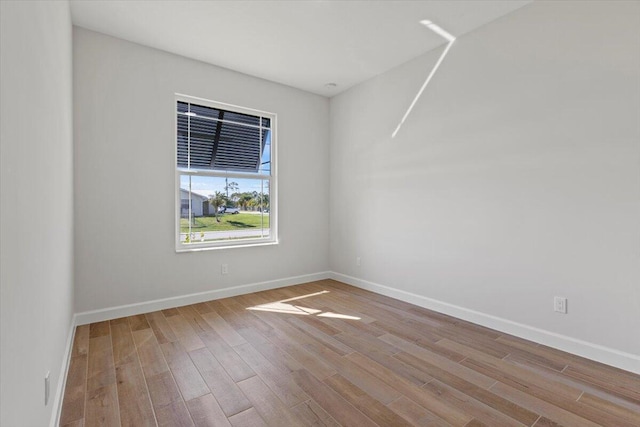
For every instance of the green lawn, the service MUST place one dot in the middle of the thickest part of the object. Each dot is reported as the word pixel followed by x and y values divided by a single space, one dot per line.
pixel 239 221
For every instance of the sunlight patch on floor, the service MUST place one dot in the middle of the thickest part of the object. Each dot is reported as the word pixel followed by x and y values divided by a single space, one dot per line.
pixel 338 316
pixel 282 307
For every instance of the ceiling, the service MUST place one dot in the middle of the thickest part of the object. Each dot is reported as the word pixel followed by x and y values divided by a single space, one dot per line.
pixel 304 44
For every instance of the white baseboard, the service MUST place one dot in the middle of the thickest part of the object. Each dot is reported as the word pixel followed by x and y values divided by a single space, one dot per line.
pixel 87 317
pixel 619 359
pixel 56 410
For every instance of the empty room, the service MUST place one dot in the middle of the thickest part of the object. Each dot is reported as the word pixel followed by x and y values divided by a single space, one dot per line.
pixel 319 213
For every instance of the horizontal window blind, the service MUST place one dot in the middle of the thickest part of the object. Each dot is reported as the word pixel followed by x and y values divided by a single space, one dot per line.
pixel 220 140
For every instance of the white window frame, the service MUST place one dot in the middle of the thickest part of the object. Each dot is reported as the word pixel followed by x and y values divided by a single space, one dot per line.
pixel 272 239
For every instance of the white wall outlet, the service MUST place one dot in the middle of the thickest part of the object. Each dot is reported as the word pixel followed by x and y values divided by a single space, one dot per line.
pixel 358 261
pixel 47 389
pixel 224 268
pixel 560 305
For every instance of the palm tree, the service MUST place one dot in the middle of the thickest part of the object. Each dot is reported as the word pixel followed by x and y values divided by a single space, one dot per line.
pixel 233 186
pixel 235 198
pixel 216 200
pixel 244 199
pixel 263 201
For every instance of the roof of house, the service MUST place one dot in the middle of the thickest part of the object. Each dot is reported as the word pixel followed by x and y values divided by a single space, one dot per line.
pixel 194 194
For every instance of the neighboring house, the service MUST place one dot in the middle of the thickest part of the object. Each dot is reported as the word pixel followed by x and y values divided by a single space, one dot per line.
pixel 199 204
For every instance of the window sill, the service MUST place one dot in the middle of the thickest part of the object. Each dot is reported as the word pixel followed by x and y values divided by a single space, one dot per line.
pixel 182 249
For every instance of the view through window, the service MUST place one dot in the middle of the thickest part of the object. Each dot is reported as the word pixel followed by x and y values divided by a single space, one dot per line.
pixel 225 175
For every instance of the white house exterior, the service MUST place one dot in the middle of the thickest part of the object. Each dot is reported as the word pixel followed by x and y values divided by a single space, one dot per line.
pixel 199 204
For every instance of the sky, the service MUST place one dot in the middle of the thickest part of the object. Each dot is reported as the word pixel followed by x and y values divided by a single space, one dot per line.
pixel 207 185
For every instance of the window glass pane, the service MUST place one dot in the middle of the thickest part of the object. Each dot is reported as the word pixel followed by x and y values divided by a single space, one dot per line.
pixel 239 148
pixel 242 118
pixel 209 144
pixel 223 209
pixel 265 159
pixel 201 141
pixel 225 115
pixel 202 111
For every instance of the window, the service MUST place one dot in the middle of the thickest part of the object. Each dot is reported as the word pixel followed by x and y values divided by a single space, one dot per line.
pixel 225 175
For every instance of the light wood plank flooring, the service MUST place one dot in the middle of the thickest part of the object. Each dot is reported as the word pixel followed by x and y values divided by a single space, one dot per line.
pixel 325 353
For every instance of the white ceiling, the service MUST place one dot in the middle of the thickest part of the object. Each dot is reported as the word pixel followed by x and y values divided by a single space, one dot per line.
pixel 304 44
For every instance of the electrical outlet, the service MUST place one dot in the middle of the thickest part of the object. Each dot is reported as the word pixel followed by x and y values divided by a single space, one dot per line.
pixel 560 305
pixel 358 261
pixel 224 268
pixel 47 388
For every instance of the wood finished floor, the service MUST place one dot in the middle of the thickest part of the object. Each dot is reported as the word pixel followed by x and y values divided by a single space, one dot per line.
pixel 325 353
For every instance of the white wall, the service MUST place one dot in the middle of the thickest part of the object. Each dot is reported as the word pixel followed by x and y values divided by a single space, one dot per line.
pixel 124 138
pixel 515 178
pixel 36 252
